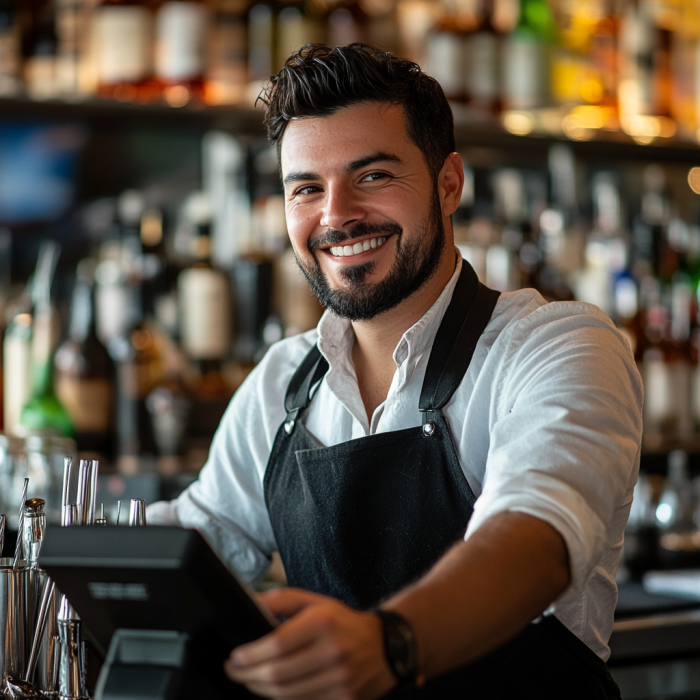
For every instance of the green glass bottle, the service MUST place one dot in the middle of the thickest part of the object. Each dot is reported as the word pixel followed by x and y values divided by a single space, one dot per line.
pixel 526 65
pixel 44 411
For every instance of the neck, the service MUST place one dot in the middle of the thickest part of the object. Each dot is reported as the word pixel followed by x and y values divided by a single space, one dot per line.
pixel 376 339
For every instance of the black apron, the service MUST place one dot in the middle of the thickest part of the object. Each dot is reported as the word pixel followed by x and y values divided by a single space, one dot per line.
pixel 361 520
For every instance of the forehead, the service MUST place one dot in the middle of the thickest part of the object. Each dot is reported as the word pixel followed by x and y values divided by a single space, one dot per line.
pixel 352 132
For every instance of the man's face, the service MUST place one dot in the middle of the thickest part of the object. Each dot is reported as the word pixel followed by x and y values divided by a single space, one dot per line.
pixel 363 212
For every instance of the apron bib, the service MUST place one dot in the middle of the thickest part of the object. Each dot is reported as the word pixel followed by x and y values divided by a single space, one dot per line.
pixel 363 519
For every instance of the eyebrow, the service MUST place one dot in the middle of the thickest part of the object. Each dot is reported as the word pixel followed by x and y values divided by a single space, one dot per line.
pixel 378 157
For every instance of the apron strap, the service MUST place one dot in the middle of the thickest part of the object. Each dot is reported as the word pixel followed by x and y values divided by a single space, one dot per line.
pixel 466 318
pixel 310 371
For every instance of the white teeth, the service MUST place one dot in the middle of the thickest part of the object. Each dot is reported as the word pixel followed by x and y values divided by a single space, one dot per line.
pixel 341 251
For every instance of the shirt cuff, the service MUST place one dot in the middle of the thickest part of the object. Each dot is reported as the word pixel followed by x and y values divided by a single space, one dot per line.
pixel 552 500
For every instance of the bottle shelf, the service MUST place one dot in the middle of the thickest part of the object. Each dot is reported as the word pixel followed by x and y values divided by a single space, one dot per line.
pixel 124 114
pixel 598 144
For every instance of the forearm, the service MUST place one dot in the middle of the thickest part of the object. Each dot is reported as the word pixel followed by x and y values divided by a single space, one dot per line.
pixel 484 590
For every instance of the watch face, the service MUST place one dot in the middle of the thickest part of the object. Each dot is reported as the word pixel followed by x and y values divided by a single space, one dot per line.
pixel 400 648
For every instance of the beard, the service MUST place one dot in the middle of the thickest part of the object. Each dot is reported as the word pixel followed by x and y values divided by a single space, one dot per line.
pixel 415 263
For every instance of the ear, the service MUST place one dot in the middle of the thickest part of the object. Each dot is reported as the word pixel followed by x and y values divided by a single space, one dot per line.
pixel 450 183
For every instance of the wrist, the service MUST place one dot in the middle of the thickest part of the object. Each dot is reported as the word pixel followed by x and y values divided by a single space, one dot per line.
pixel 400 648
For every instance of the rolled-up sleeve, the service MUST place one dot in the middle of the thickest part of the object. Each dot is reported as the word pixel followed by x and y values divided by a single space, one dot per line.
pixel 565 430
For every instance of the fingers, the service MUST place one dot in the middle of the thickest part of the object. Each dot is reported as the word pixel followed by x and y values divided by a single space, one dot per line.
pixel 323 685
pixel 288 637
pixel 289 601
pixel 309 659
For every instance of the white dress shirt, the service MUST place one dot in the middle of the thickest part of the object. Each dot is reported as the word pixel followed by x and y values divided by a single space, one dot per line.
pixel 546 421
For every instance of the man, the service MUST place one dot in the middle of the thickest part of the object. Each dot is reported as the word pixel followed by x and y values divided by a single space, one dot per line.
pixel 446 472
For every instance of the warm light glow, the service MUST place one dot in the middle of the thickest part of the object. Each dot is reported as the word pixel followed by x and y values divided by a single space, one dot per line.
pixel 177 96
pixel 575 128
pixel 644 128
pixel 519 123
pixel 694 179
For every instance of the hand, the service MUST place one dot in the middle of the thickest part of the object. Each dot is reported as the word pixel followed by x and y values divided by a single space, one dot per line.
pixel 326 651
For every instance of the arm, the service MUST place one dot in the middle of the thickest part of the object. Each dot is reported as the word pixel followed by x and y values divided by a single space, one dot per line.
pixel 482 592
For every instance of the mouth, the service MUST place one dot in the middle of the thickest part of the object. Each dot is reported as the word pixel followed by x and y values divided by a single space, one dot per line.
pixel 348 251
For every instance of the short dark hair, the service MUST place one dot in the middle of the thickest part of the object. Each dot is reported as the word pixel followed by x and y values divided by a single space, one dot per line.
pixel 318 80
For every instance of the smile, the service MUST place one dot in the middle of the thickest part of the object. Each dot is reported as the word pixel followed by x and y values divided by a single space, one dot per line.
pixel 345 251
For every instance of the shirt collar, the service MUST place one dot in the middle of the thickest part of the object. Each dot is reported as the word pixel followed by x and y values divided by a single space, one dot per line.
pixel 336 336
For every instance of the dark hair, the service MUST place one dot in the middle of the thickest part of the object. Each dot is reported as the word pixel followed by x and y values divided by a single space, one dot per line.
pixel 317 81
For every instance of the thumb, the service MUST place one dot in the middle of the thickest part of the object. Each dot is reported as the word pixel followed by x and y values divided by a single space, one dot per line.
pixel 289 601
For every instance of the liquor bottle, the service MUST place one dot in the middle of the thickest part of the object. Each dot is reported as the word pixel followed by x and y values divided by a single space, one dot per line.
pixel 571 60
pixel 645 82
pixel 483 69
pixel 227 69
pixel 151 264
pixel 16 365
pixel 296 26
pixel 138 371
pixel 604 53
pixel 10 48
pixel 674 516
pixel 74 74
pixel 85 371
pixel 261 47
pixel 180 37
pixel 382 27
pixel 502 261
pixel 123 37
pixel 40 66
pixel 205 311
pixel 658 397
pixel 685 70
pixel 606 248
pixel 526 60
pixel 43 410
pixel 446 52
pixel 415 20
pixel 679 357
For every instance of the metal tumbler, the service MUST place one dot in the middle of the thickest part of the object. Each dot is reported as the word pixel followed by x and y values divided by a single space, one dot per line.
pixel 12 623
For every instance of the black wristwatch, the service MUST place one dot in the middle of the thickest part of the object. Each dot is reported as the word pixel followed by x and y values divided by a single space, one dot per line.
pixel 400 647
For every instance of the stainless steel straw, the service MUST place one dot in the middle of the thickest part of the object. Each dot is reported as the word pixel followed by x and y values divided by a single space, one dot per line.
pixel 18 547
pixel 65 502
pixel 82 498
pixel 2 534
pixel 119 510
pixel 46 596
pixel 92 491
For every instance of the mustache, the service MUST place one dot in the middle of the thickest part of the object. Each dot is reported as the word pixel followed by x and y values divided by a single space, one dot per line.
pixel 333 236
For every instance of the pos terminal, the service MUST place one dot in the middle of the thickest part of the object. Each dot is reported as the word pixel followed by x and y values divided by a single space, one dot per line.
pixel 160 606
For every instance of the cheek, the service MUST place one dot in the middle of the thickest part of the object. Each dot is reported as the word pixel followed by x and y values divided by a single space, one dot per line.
pixel 300 227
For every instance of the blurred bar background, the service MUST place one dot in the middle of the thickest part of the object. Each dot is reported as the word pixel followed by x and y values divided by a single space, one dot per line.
pixel 144 260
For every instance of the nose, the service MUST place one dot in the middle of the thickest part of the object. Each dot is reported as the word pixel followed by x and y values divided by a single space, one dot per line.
pixel 342 208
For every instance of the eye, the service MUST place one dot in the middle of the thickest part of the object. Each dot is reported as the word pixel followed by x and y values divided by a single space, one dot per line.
pixel 374 177
pixel 307 189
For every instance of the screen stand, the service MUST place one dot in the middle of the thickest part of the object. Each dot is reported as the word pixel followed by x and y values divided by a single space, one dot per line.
pixel 143 664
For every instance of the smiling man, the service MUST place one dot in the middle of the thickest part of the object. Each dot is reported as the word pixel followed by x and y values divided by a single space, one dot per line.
pixel 445 471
